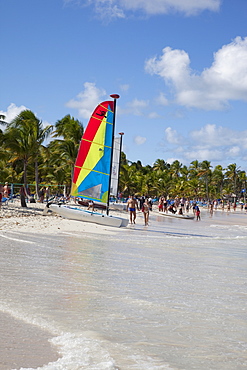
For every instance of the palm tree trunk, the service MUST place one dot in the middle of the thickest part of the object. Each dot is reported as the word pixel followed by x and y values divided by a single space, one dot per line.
pixel 25 173
pixel 36 180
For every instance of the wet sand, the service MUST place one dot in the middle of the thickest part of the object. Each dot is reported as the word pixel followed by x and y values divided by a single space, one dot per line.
pixel 24 345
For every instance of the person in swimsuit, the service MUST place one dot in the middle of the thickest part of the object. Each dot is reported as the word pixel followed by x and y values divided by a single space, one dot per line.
pixel 145 210
pixel 132 205
pixel 161 204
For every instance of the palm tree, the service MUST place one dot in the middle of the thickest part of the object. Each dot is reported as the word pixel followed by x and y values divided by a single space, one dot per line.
pixel 205 173
pixel 128 179
pixel 242 180
pixel 185 172
pixel 232 174
pixel 24 136
pixel 194 168
pixel 218 179
pixel 160 165
pixel 175 168
pixel 17 141
pixel 69 128
pixel 71 131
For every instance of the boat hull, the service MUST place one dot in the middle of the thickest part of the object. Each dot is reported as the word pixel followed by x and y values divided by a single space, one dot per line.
pixel 97 205
pixel 118 206
pixel 74 213
pixel 175 215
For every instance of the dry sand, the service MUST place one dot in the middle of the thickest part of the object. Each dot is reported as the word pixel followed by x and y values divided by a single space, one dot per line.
pixel 31 219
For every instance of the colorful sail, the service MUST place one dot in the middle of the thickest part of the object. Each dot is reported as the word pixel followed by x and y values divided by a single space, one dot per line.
pixel 92 166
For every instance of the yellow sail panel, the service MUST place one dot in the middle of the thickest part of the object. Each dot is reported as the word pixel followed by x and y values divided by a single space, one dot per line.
pixel 95 153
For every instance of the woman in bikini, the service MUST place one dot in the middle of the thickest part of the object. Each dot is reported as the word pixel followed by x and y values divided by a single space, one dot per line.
pixel 145 210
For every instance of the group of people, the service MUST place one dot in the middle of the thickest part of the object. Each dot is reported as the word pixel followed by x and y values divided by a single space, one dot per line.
pixel 179 205
pixel 145 205
pixel 216 204
pixel 44 193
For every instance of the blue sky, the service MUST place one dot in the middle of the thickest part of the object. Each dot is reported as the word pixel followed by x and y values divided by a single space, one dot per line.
pixel 179 66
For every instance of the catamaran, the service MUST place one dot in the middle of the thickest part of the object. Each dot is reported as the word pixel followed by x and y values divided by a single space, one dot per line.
pixel 93 168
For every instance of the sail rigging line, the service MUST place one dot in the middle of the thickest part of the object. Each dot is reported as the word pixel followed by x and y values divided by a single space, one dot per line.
pixel 115 97
pixel 91 141
pixel 119 164
pixel 89 169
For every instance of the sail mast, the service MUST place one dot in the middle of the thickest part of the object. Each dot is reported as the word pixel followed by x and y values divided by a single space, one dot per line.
pixel 115 97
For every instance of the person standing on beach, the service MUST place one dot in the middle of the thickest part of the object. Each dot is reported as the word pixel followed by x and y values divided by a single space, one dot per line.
pixel 211 208
pixel 145 210
pixel 161 204
pixel 6 190
pixel 47 193
pixel 132 205
pixel 23 195
pixel 42 195
pixel 198 213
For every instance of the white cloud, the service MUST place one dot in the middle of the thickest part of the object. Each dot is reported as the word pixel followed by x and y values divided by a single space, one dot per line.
pixel 210 142
pixel 234 151
pixel 218 136
pixel 120 8
pixel 203 154
pixel 137 107
pixel 173 159
pixel 124 87
pixel 161 99
pixel 225 80
pixel 153 115
pixel 172 136
pixel 86 101
pixel 139 140
pixel 12 112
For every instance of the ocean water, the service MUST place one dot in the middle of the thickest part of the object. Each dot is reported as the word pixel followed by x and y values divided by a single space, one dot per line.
pixel 168 296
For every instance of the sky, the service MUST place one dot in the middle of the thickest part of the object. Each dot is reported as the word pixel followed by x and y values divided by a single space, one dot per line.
pixel 179 66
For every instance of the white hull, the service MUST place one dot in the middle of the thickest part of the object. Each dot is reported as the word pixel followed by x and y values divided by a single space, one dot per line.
pixel 74 213
pixel 186 217
pixel 118 206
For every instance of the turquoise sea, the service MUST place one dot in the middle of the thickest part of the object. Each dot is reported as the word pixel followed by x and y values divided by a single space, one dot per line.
pixel 172 295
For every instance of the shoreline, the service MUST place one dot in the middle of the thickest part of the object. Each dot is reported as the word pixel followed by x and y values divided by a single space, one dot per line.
pixel 25 345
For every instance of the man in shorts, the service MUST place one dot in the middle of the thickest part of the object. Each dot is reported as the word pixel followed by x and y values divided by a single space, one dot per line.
pixel 132 205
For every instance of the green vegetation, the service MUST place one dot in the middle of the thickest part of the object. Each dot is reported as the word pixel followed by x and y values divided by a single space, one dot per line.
pixel 25 159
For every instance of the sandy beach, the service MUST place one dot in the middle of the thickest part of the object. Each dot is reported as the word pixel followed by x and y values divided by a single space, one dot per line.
pixel 24 345
pixel 31 219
